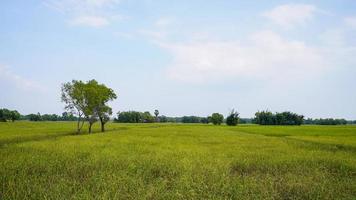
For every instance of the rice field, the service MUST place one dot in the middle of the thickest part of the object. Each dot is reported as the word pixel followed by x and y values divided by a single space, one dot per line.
pixel 47 160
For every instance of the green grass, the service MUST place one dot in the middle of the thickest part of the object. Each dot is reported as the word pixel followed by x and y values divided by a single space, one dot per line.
pixel 173 161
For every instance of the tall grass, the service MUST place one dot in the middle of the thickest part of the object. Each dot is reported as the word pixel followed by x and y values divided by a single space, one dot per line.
pixel 46 160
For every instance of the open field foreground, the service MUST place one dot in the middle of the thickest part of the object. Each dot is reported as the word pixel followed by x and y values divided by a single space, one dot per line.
pixel 174 161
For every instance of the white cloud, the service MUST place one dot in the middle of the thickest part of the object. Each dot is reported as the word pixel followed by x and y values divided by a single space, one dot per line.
pixel 92 21
pixel 333 37
pixel 163 22
pixel 290 15
pixel 351 22
pixel 92 13
pixel 154 35
pixel 265 55
pixel 20 82
pixel 125 35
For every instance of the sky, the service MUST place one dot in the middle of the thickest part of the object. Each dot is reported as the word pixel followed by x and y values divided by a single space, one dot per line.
pixel 188 57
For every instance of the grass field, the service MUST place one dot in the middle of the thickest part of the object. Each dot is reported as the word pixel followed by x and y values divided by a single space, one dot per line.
pixel 174 161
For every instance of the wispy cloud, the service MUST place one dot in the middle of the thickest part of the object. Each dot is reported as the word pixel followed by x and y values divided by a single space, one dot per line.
pixel 266 55
pixel 6 75
pixel 92 13
pixel 92 21
pixel 164 22
pixel 159 31
pixel 350 21
pixel 291 15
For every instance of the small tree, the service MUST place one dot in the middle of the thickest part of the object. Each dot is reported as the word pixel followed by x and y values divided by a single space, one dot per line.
pixel 4 114
pixel 104 114
pixel 217 118
pixel 92 119
pixel 73 95
pixel 233 118
pixel 147 117
pixel 156 114
pixel 101 96
pixel 14 115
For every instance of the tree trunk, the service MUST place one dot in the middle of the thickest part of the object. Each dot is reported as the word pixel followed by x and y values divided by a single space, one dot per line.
pixel 102 124
pixel 78 124
pixel 102 127
pixel 90 127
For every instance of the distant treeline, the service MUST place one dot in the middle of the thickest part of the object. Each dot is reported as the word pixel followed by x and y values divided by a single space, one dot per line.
pixel 134 117
pixel 49 117
pixel 146 117
pixel 261 117
pixel 328 121
pixel 284 118
pixel 289 118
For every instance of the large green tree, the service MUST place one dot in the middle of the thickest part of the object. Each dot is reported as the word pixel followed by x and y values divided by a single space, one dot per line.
pixel 100 95
pixel 88 101
pixel 73 95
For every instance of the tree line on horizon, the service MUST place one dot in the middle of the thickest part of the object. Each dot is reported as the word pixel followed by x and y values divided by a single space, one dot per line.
pixel 88 102
pixel 147 117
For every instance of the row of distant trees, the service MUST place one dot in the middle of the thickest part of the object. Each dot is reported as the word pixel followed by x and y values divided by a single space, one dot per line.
pixel 328 121
pixel 283 118
pixel 50 117
pixel 146 117
pixel 261 117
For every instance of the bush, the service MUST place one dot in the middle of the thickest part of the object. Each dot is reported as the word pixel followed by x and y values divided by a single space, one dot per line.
pixel 217 118
pixel 233 118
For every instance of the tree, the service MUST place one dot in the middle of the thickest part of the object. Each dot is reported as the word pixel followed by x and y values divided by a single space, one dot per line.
pixel 88 101
pixel 103 95
pixel 156 114
pixel 204 120
pixel 73 95
pixel 104 114
pixel 6 114
pixel 35 117
pixel 14 115
pixel 92 101
pixel 91 120
pixel 129 117
pixel 162 119
pixel 233 118
pixel 68 117
pixel 217 118
pixel 147 117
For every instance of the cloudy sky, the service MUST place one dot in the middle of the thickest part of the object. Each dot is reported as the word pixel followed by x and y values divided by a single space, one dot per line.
pixel 189 57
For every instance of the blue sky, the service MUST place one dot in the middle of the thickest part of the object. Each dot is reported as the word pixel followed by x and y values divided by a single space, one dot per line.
pixel 183 57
